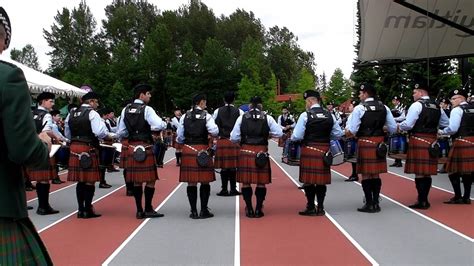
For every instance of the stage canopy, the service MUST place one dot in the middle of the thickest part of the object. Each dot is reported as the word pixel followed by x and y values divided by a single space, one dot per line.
pixel 416 29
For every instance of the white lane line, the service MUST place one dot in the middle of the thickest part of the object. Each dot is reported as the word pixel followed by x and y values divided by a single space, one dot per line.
pixel 417 213
pixel 343 231
pixel 237 233
pixel 130 237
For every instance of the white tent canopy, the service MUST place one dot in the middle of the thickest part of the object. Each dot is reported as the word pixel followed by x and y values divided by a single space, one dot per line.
pixel 39 82
pixel 390 30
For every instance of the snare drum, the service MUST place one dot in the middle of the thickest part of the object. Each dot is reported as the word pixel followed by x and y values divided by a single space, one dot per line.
pixel 106 155
pixel 398 146
pixel 444 147
pixel 294 153
pixel 337 152
pixel 62 156
pixel 350 149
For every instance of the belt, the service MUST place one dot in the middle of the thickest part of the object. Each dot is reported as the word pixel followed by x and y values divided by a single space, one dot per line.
pixel 368 141
pixel 315 149
pixel 422 140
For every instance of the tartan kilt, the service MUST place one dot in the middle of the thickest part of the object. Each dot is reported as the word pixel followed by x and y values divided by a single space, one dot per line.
pixel 461 157
pixel 227 154
pixel 123 154
pixel 247 171
pixel 419 161
pixel 139 172
pixel 75 172
pixel 312 168
pixel 176 145
pixel 20 244
pixel 283 138
pixel 44 174
pixel 367 161
pixel 190 171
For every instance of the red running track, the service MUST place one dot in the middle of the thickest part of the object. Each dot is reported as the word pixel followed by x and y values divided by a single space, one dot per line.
pixel 282 237
pixel 458 217
pixel 32 194
pixel 92 241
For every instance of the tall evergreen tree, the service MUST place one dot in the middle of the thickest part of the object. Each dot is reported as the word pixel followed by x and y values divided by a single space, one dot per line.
pixel 27 56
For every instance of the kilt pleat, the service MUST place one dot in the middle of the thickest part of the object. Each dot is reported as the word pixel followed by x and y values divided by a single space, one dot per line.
pixel 190 171
pixel 75 172
pixel 312 168
pixel 419 161
pixel 20 244
pixel 461 157
pixel 247 171
pixel 139 172
pixel 123 154
pixel 43 174
pixel 367 161
pixel 227 154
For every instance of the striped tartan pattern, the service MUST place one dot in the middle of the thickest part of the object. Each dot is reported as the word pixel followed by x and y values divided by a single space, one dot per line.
pixel 176 145
pixel 44 174
pixel 367 161
pixel 419 161
pixel 247 171
pixel 140 172
pixel 312 168
pixel 75 172
pixel 20 244
pixel 123 154
pixel 461 157
pixel 227 154
pixel 190 171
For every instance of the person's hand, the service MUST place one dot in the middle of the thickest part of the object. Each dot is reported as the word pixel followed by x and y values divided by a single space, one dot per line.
pixel 44 137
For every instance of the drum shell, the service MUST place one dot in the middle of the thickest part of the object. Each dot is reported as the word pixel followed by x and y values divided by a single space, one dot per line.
pixel 62 156
pixel 337 152
pixel 398 146
pixel 106 155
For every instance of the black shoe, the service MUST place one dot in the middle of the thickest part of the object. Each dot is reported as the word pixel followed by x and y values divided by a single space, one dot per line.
pixel 352 178
pixel 301 187
pixel 259 213
pixel 29 208
pixel 57 181
pixel 153 214
pixel 249 212
pixel 420 205
pixel 320 211
pixel 91 214
pixel 46 211
pixel 104 185
pixel 28 188
pixel 112 169
pixel 159 165
pixel 442 171
pixel 454 201
pixel 396 165
pixel 377 207
pixel 308 212
pixel 466 201
pixel 194 215
pixel 234 193
pixel 129 193
pixel 80 214
pixel 368 208
pixel 204 214
pixel 140 215
pixel 223 193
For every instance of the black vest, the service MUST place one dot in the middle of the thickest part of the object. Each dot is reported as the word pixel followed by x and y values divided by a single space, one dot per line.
pixel 226 117
pixel 467 122
pixel 285 122
pixel 38 116
pixel 373 120
pixel 137 127
pixel 195 130
pixel 428 119
pixel 80 126
pixel 254 128
pixel 318 126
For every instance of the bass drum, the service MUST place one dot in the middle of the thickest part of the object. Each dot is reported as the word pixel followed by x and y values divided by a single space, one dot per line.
pixel 397 146
pixel 62 156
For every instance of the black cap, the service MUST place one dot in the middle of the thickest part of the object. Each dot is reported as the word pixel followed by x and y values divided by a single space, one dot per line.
pixel 368 88
pixel 354 102
pixel 198 98
pixel 445 101
pixel 142 88
pixel 5 21
pixel 462 92
pixel 397 98
pixel 55 112
pixel 90 95
pixel 45 96
pixel 255 100
pixel 421 83
pixel 311 93
pixel 229 96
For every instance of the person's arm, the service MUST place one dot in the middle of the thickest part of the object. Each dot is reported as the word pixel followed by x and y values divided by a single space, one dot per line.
pixel 180 131
pixel 275 129
pixel 336 130
pixel 412 115
pixel 17 122
pixel 390 122
pixel 211 126
pixel 300 129
pixel 235 134
pixel 155 122
pixel 454 122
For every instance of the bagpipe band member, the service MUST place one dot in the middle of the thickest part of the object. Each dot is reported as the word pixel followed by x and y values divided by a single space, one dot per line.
pixel 175 124
pixel 398 113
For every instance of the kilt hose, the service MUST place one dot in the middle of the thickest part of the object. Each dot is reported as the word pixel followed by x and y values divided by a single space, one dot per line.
pixel 461 156
pixel 44 174
pixel 75 172
pixel 419 161
pixel 190 171
pixel 227 154
pixel 20 244
pixel 247 170
pixel 312 168
pixel 368 164
pixel 124 154
pixel 139 172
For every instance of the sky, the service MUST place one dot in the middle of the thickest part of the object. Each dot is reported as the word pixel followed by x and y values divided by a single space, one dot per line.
pixel 324 27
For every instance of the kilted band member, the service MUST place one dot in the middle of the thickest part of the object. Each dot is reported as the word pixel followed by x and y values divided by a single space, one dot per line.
pixel 252 130
pixel 461 156
pixel 398 113
pixel 20 243
pixel 227 152
pixel 354 176
pixel 193 130
pixel 178 146
pixel 332 108
pixel 124 156
pixel 423 119
pixel 367 123
pixel 287 123
pixel 83 126
pixel 137 123
pixel 315 128
pixel 102 182
pixel 42 176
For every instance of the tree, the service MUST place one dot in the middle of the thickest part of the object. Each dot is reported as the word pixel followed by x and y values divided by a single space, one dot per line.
pixel 323 84
pixel 27 56
pixel 339 89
